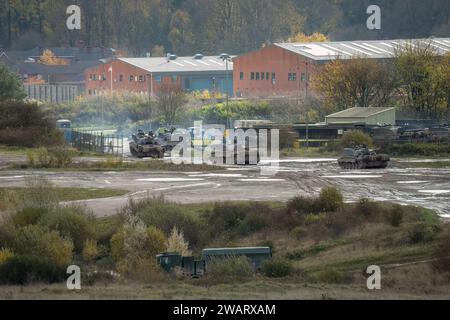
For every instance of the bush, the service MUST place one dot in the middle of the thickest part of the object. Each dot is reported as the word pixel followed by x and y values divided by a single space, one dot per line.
pixel 356 137
pixel 227 216
pixel 416 149
pixel 166 216
pixel 177 243
pixel 234 267
pixel 330 199
pixel 303 205
pixel 41 242
pixel 421 233
pixel 441 256
pixel 299 232
pixel 25 124
pixel 395 216
pixel 330 275
pixel 135 244
pixel 277 268
pixel 367 209
pixel 50 158
pixel 71 223
pixel 26 269
pixel 90 251
pixel 28 216
pixel 5 255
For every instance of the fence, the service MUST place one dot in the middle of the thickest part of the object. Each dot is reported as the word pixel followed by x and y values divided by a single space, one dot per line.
pixel 95 141
pixel 51 93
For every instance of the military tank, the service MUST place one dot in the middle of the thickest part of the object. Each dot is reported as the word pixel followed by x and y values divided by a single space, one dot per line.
pixel 146 146
pixel 362 158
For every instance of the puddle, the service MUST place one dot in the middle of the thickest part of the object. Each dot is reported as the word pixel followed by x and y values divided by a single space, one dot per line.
pixel 217 175
pixel 353 177
pixel 13 177
pixel 169 179
pixel 262 180
pixel 304 160
pixel 412 182
pixel 435 192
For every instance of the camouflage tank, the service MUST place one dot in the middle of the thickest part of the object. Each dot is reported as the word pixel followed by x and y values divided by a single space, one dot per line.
pixel 146 146
pixel 363 158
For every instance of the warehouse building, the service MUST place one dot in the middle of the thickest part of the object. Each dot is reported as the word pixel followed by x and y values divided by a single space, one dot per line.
pixel 286 69
pixel 363 116
pixel 148 75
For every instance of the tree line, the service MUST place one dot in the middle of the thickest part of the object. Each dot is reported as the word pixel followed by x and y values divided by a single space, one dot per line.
pixel 417 79
pixel 185 27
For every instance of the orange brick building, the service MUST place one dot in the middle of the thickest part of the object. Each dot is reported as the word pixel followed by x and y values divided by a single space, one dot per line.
pixel 286 69
pixel 147 76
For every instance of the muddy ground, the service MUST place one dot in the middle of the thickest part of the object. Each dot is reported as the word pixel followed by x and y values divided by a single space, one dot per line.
pixel 399 183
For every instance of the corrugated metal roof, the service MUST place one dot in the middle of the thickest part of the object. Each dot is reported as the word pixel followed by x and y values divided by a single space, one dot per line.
pixel 378 49
pixel 180 65
pixel 359 112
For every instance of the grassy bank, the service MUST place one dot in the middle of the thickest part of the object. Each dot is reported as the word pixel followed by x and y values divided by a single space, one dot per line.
pixel 321 249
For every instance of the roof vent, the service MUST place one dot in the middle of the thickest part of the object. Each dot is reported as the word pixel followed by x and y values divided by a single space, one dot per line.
pixel 198 56
pixel 171 56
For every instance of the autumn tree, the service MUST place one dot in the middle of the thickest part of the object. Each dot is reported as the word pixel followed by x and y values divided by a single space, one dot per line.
pixel 10 85
pixel 423 77
pixel 357 82
pixel 171 100
pixel 315 37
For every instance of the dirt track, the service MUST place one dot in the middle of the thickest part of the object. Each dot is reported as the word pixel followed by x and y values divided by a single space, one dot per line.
pixel 425 187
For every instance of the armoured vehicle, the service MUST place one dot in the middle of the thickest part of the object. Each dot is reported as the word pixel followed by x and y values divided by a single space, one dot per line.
pixel 363 158
pixel 196 268
pixel 143 146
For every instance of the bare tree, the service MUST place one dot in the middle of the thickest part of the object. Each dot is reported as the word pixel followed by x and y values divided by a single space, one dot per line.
pixel 171 100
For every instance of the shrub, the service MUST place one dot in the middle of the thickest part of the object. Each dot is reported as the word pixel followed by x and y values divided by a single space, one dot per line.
pixel 253 222
pixel 90 251
pixel 235 267
pixel 395 216
pixel 177 243
pixel 367 208
pixel 71 223
pixel 28 216
pixel 330 275
pixel 299 232
pixel 136 243
pixel 227 216
pixel 25 124
pixel 49 158
pixel 166 216
pixel 303 205
pixel 356 137
pixel 277 268
pixel 441 255
pixel 25 269
pixel 330 199
pixel 5 254
pixel 39 241
pixel 421 233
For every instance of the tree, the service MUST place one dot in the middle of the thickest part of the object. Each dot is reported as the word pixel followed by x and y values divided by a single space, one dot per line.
pixel 357 82
pixel 315 37
pixel 423 78
pixel 181 36
pixel 177 243
pixel 171 100
pixel 10 85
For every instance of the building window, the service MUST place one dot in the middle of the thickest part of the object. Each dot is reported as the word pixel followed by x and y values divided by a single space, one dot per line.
pixel 104 77
pixel 131 78
pixel 267 76
pixel 158 79
pixel 257 76
pixel 241 76
pixel 174 78
pixel 274 78
pixel 141 79
pixel 90 92
pixel 303 77
pixel 263 75
pixel 121 78
pixel 252 76
pixel 187 84
pixel 292 77
pixel 94 77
